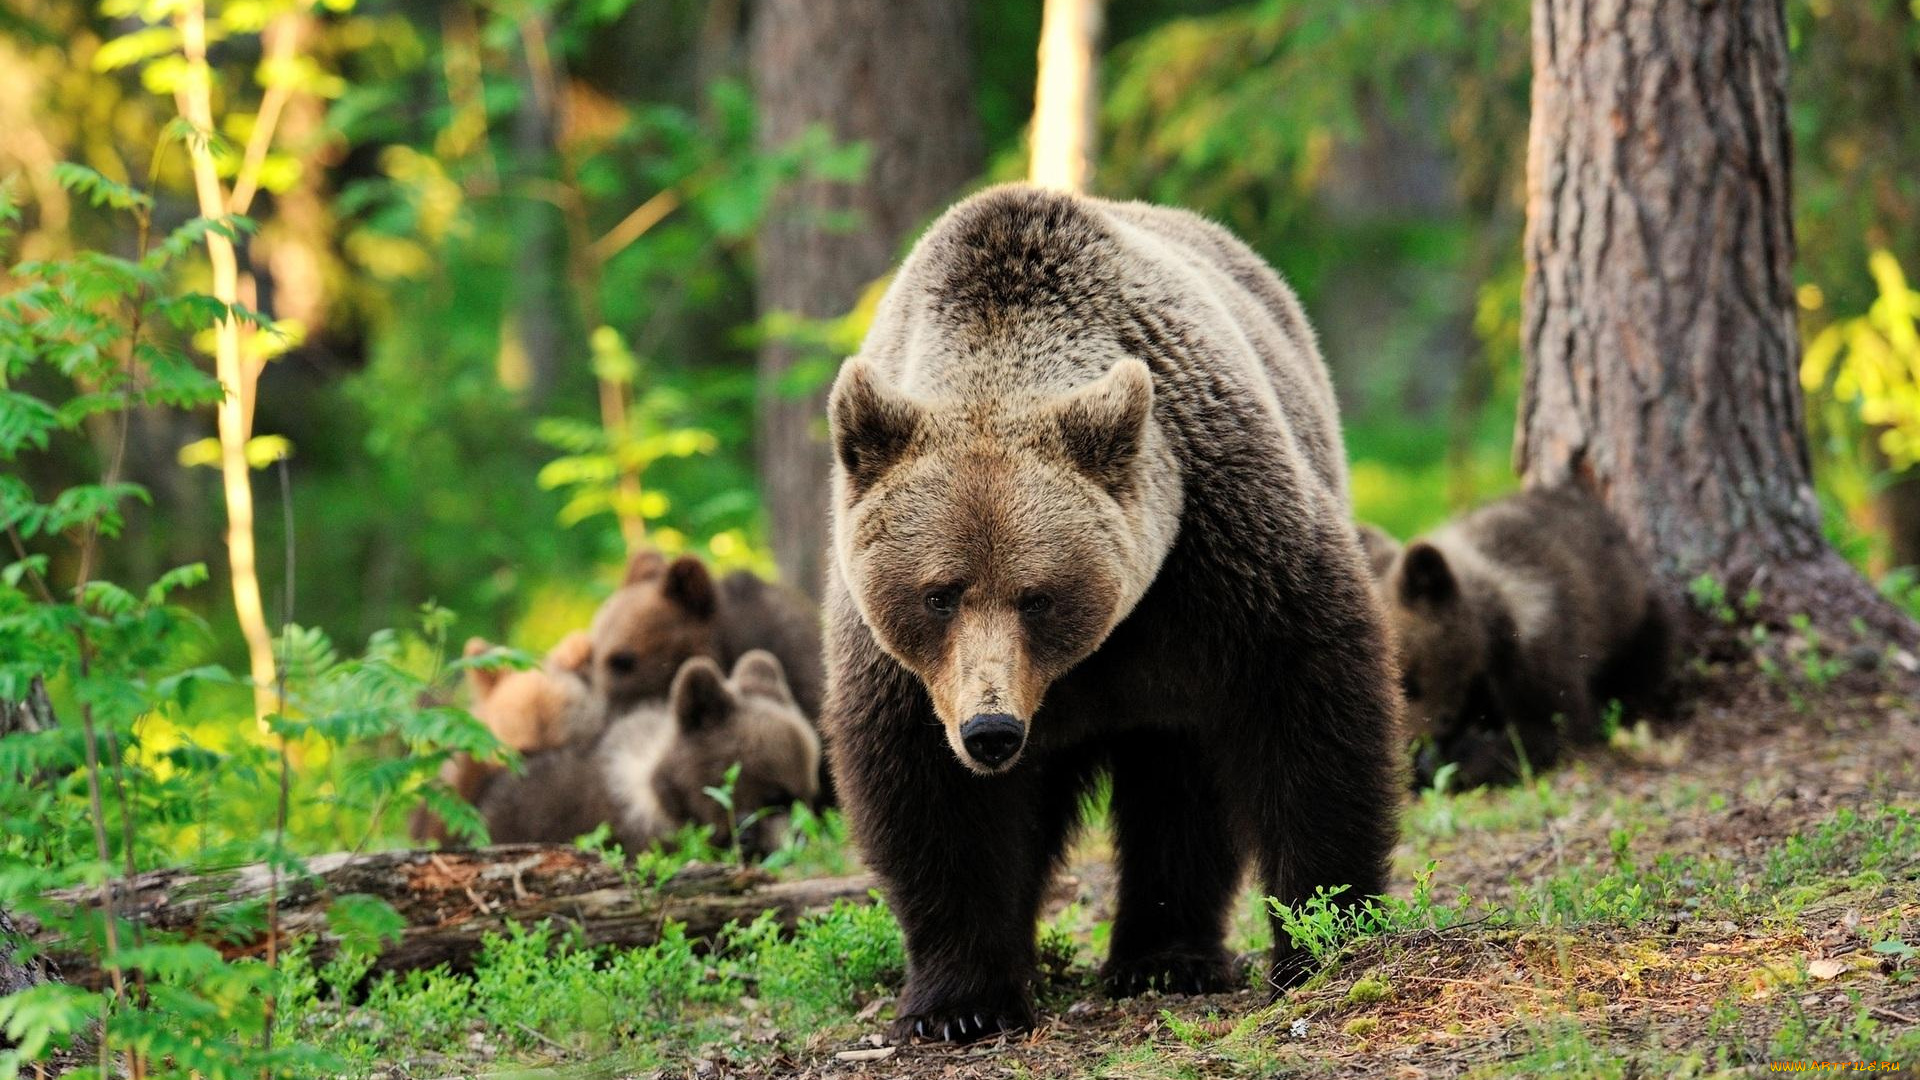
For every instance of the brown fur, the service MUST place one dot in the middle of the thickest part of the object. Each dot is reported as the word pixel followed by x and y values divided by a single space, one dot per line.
pixel 647 775
pixel 528 711
pixel 1089 483
pixel 667 613
pixel 662 615
pixel 1513 624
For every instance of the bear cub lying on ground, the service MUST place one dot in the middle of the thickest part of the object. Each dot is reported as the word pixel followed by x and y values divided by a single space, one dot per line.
pixel 1514 624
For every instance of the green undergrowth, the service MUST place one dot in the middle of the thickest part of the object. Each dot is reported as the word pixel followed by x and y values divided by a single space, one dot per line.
pixel 538 997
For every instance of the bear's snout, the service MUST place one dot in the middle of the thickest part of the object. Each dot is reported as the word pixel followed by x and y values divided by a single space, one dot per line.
pixel 992 739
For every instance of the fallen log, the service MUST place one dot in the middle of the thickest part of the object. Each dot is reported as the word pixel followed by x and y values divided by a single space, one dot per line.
pixel 450 900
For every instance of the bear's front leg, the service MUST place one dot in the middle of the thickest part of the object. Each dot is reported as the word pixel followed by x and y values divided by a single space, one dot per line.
pixel 962 858
pixel 1180 866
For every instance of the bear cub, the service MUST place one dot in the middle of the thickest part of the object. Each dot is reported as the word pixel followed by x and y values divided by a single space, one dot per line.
pixel 667 612
pixel 1513 624
pixel 529 711
pixel 647 775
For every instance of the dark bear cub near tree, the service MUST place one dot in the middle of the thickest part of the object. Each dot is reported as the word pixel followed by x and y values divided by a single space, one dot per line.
pixel 1515 624
pixel 1090 516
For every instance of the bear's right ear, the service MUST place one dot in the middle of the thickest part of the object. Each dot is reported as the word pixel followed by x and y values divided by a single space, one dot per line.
pixel 690 585
pixel 872 424
pixel 1425 575
pixel 480 681
pixel 700 700
pixel 645 565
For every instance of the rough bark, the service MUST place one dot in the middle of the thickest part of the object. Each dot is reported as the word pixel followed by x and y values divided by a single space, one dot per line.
pixel 1659 326
pixel 893 74
pixel 450 899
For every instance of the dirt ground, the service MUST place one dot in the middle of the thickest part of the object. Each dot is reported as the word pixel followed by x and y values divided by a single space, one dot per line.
pixel 1769 961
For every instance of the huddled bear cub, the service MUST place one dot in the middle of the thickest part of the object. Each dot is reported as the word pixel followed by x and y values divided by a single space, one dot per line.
pixel 529 711
pixel 665 613
pixel 1514 623
pixel 1090 515
pixel 647 775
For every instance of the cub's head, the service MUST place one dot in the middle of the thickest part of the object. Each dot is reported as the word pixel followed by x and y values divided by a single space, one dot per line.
pixel 662 615
pixel 991 545
pixel 1440 628
pixel 749 720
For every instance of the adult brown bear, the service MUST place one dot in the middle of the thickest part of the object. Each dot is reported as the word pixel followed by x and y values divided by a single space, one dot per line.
pixel 1090 515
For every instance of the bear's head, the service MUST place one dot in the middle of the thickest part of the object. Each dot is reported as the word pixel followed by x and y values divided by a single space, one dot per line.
pixel 1441 627
pixel 749 720
pixel 661 616
pixel 992 543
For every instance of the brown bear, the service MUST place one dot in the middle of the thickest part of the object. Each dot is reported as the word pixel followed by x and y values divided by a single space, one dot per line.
pixel 528 711
pixel 666 612
pixel 648 774
pixel 1090 516
pixel 1513 623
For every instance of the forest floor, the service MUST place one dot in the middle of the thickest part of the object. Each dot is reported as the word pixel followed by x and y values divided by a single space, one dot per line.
pixel 1734 890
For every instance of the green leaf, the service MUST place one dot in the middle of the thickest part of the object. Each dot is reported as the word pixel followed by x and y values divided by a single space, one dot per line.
pixel 365 923
pixel 98 189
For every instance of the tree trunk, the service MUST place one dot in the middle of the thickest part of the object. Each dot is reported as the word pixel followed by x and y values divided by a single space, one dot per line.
pixel 452 899
pixel 893 74
pixel 1066 96
pixel 1662 355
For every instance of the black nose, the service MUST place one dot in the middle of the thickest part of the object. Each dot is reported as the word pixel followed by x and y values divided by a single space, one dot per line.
pixel 993 738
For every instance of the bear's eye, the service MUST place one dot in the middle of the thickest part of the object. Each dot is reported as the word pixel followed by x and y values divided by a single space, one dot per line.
pixel 623 663
pixel 943 602
pixel 1035 604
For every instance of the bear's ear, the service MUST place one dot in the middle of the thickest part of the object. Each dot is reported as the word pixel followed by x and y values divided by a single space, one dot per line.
pixel 690 585
pixel 645 565
pixel 480 681
pixel 1425 575
pixel 872 424
pixel 1103 424
pixel 700 700
pixel 758 672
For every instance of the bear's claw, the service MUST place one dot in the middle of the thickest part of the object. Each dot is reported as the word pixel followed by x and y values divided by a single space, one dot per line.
pixel 1172 973
pixel 960 1027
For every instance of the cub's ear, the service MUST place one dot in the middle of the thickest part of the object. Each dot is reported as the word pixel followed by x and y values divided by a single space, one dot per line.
pixel 1425 575
pixel 690 585
pixel 645 565
pixel 872 424
pixel 1103 424
pixel 758 672
pixel 481 682
pixel 700 700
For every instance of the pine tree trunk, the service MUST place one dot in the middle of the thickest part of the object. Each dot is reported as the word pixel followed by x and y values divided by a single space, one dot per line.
pixel 1662 354
pixel 893 74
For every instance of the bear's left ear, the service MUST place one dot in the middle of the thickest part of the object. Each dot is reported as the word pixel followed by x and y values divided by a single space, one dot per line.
pixel 691 586
pixel 1103 424
pixel 759 672
pixel 481 681
pixel 872 424
pixel 645 565
pixel 700 700
pixel 1425 575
